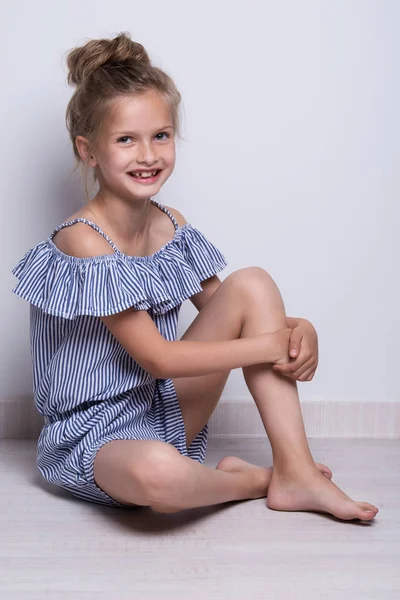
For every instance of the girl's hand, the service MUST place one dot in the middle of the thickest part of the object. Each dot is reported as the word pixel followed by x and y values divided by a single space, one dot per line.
pixel 303 352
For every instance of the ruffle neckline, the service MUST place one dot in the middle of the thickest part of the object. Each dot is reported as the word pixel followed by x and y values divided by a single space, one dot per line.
pixel 68 286
pixel 117 253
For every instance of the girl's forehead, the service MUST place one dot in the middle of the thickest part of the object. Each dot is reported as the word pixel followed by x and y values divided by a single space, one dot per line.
pixel 147 108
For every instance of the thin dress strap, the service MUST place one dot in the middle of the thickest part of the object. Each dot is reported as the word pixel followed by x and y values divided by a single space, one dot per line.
pixel 171 216
pixel 87 222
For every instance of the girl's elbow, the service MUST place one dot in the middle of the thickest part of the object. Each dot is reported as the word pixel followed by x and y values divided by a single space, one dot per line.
pixel 159 368
pixel 159 372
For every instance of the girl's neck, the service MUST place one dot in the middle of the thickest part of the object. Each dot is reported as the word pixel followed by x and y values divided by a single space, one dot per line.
pixel 126 220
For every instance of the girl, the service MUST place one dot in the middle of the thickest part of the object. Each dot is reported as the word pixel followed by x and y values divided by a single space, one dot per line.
pixel 126 406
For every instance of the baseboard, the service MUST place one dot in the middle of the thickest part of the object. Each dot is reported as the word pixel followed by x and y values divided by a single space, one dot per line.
pixel 240 418
pixel 322 419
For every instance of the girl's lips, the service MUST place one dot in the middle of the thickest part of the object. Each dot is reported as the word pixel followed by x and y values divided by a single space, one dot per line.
pixel 146 180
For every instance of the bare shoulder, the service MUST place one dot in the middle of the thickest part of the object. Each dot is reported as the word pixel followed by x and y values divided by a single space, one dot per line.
pixel 178 216
pixel 82 241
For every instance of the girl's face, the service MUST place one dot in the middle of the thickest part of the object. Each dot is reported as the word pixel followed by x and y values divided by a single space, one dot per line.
pixel 135 153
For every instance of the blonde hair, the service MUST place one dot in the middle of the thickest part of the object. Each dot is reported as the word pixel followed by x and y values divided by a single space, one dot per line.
pixel 103 70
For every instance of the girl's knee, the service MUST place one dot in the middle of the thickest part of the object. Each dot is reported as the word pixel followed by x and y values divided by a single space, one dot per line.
pixel 253 280
pixel 249 274
pixel 137 472
pixel 161 471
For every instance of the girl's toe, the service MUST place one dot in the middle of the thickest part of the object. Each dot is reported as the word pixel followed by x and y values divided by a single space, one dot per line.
pixel 366 511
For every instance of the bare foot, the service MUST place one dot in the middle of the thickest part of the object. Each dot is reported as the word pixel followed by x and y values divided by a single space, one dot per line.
pixel 264 474
pixel 310 491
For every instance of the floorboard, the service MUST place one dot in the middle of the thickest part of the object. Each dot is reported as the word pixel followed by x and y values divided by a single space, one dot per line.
pixel 53 546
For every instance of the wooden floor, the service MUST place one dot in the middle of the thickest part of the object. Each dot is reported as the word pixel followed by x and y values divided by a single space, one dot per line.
pixel 53 546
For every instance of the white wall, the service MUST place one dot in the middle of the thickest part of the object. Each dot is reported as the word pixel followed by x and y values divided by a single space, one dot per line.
pixel 290 163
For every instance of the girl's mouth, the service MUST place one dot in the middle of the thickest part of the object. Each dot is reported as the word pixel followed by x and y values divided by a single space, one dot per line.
pixel 146 178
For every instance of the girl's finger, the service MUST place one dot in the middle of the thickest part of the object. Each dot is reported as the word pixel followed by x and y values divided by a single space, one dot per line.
pixel 292 366
pixel 311 375
pixel 295 342
pixel 308 366
pixel 290 374
pixel 305 375
pixel 287 368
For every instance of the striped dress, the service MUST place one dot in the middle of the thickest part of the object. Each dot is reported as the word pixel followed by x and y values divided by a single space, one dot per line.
pixel 85 384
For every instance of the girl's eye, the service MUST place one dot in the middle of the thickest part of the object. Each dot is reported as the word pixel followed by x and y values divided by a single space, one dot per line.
pixel 125 137
pixel 163 133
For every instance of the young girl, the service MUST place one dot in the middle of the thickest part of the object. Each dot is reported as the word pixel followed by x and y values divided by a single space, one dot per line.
pixel 126 405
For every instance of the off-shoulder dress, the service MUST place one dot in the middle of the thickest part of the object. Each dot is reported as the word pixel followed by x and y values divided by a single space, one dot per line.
pixel 85 384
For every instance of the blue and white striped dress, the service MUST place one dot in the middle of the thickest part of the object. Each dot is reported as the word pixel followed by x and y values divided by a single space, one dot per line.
pixel 85 384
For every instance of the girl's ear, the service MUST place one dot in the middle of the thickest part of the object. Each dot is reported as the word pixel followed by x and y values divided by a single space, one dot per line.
pixel 85 152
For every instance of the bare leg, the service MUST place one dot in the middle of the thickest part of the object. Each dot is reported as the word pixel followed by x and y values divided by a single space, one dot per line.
pixel 154 473
pixel 296 483
pixel 233 479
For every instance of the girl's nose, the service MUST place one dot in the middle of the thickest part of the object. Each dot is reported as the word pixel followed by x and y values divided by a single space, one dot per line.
pixel 146 153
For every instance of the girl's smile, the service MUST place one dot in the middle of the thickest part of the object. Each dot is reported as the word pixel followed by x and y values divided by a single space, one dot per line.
pixel 145 177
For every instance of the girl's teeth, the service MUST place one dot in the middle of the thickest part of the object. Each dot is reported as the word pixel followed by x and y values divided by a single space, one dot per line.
pixel 145 175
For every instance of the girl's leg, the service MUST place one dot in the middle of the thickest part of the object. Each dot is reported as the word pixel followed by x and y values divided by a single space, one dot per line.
pixel 296 482
pixel 155 474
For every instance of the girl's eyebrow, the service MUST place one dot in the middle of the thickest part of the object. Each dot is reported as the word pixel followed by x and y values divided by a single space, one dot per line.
pixel 133 132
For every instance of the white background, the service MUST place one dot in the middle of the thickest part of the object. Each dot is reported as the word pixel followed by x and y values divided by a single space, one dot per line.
pixel 291 121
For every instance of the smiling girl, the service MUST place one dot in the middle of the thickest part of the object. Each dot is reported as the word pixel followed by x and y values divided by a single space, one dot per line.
pixel 126 405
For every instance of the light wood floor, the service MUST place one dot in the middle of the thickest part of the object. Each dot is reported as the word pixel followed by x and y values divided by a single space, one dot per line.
pixel 53 546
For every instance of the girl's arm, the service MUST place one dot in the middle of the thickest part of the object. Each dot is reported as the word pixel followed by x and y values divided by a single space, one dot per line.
pixel 186 359
pixel 164 359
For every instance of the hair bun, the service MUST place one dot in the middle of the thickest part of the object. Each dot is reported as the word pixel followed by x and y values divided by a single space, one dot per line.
pixel 82 62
